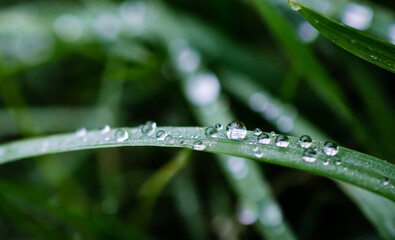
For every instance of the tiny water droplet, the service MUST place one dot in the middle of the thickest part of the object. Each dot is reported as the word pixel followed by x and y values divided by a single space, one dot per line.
pixel 272 133
pixel 169 139
pixel 148 128
pixel 257 131
pixel 309 155
pixel 282 141
pixel 258 154
pixel 160 135
pixel 294 5
pixel 198 145
pixel 330 148
pixel 338 161
pixel 236 130
pixel 385 181
pixel 121 135
pixel 80 132
pixel 374 57
pixel 218 126
pixel 326 162
pixel 211 132
pixel 316 21
pixel 264 138
pixel 104 129
pixel 305 141
pixel 353 41
pixel 182 141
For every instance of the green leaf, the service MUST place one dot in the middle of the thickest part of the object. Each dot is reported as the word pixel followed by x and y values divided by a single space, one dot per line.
pixel 349 166
pixel 363 45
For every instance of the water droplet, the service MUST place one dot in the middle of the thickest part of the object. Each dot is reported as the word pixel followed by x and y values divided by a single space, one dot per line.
pixel 80 132
pixel 374 57
pixel 198 145
pixel 160 135
pixel 258 154
pixel 294 5
pixel 282 141
pixel 326 162
pixel 257 131
pixel 218 126
pixel 316 21
pixel 148 128
pixel 353 41
pixel 309 155
pixel 272 133
pixel 236 130
pixel 330 148
pixel 104 129
pixel 305 141
pixel 385 181
pixel 169 139
pixel 211 132
pixel 264 138
pixel 121 135
pixel 338 161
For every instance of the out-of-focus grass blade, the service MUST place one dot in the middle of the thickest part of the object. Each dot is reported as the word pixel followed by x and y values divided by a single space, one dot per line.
pixel 354 41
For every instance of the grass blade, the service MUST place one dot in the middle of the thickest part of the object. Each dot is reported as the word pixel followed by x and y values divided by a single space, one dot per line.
pixel 359 169
pixel 365 46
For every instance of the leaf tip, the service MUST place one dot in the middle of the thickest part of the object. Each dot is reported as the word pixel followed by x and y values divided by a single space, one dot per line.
pixel 294 5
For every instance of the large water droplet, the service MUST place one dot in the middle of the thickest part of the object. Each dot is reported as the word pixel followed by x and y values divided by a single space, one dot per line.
pixel 257 131
pixel 121 135
pixel 198 145
pixel 169 139
pixel 104 129
pixel 264 138
pixel 309 155
pixel 305 141
pixel 385 181
pixel 160 135
pixel 80 132
pixel 236 130
pixel 218 126
pixel 211 132
pixel 330 148
pixel 148 128
pixel 294 5
pixel 282 141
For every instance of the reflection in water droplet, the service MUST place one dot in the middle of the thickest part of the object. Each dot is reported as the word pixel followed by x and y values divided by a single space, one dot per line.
pixel 330 148
pixel 305 141
pixel 160 135
pixel 121 135
pixel 104 129
pixel 236 130
pixel 169 139
pixel 80 132
pixel 211 132
pixel 264 138
pixel 257 131
pixel 198 145
pixel 385 181
pixel 218 126
pixel 148 128
pixel 309 155
pixel 282 141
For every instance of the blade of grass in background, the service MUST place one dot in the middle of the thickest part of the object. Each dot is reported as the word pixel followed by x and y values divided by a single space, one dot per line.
pixel 354 41
pixel 380 211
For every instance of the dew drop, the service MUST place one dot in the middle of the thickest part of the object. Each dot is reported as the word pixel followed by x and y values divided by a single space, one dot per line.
pixel 294 5
pixel 316 21
pixel 236 130
pixel 374 57
pixel 211 132
pixel 199 146
pixel 385 181
pixel 309 155
pixel 121 135
pixel 257 131
pixel 272 133
pixel 80 132
pixel 326 162
pixel 338 161
pixel 258 154
pixel 282 141
pixel 353 41
pixel 160 135
pixel 330 148
pixel 104 129
pixel 148 128
pixel 264 138
pixel 305 141
pixel 169 139
pixel 218 126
